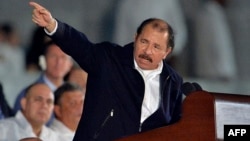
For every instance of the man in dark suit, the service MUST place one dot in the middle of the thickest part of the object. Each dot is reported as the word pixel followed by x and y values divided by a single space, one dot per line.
pixel 5 109
pixel 130 89
pixel 57 65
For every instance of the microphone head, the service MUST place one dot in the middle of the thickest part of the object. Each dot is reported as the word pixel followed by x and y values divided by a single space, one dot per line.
pixel 187 88
pixel 197 86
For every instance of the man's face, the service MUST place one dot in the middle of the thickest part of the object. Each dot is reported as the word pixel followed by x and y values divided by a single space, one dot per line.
pixel 70 108
pixel 57 62
pixel 150 48
pixel 38 105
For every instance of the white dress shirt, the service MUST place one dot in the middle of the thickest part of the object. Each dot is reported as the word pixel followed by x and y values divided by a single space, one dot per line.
pixel 16 128
pixel 60 128
pixel 152 90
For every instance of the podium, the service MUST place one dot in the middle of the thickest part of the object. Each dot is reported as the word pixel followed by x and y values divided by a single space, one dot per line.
pixel 203 119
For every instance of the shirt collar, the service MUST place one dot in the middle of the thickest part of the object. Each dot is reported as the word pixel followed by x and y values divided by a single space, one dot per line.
pixel 58 125
pixel 22 121
pixel 146 73
pixel 49 83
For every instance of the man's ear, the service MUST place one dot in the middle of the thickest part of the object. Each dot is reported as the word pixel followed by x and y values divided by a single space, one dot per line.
pixel 57 111
pixel 23 103
pixel 168 51
pixel 135 36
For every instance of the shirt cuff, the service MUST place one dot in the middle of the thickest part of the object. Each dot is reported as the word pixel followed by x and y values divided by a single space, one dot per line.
pixel 51 33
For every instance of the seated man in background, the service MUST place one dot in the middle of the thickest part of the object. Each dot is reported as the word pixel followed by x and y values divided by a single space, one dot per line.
pixel 77 75
pixel 69 99
pixel 57 65
pixel 37 106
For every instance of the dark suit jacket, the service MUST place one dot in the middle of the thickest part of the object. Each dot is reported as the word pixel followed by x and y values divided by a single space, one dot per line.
pixel 5 108
pixel 115 89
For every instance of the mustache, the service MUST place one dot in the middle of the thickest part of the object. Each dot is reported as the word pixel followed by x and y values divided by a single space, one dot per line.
pixel 145 56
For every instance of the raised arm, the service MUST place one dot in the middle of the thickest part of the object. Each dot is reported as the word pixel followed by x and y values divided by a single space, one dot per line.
pixel 70 40
pixel 42 17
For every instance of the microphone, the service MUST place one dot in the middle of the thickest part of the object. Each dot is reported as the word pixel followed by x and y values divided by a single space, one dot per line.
pixel 187 88
pixel 197 86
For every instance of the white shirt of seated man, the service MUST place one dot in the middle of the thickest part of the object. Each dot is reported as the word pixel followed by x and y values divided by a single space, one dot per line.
pixel 37 107
pixel 16 128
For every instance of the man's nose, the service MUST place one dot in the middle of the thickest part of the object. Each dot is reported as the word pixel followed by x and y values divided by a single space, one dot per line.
pixel 148 49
